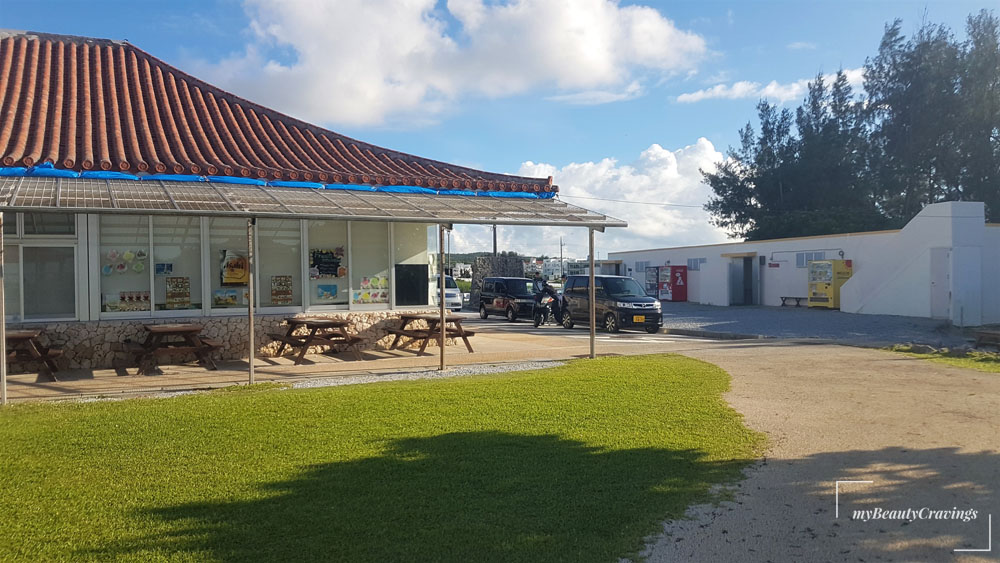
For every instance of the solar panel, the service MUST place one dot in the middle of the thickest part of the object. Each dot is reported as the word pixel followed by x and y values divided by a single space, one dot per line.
pixel 84 193
pixel 195 196
pixel 36 192
pixel 204 198
pixel 139 195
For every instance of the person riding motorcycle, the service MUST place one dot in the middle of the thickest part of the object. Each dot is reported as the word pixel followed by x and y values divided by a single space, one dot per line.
pixel 557 300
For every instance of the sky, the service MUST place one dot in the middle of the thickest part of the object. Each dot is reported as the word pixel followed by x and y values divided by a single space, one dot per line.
pixel 617 100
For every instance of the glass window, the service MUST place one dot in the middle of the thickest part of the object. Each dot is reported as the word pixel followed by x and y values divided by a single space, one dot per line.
pixel 124 249
pixel 280 262
pixel 370 262
pixel 228 266
pixel 328 283
pixel 49 224
pixel 52 291
pixel 176 263
pixel 413 281
pixel 12 282
pixel 10 224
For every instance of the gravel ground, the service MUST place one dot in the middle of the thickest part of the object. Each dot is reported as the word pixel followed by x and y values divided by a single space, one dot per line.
pixel 430 373
pixel 925 434
pixel 802 322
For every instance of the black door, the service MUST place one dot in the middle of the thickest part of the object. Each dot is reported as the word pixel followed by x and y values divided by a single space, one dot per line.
pixel 748 281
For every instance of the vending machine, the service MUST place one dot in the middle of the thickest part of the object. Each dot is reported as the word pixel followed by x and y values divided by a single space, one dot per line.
pixel 825 279
pixel 652 281
pixel 673 283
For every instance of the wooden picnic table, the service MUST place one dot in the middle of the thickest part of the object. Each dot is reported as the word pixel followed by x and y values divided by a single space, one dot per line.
pixel 174 338
pixel 424 335
pixel 24 345
pixel 322 332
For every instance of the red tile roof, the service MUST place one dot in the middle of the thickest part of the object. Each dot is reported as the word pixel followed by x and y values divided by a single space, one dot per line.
pixel 96 104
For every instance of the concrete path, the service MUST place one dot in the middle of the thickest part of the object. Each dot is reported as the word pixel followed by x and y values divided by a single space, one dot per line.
pixel 925 434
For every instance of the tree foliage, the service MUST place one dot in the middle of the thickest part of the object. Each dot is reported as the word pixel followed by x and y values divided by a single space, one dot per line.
pixel 925 129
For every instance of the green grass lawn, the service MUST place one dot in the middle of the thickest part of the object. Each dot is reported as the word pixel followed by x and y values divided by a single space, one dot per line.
pixel 977 361
pixel 577 463
pixel 980 361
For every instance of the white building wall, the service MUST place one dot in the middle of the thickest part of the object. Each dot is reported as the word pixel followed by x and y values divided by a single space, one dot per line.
pixel 893 270
pixel 991 274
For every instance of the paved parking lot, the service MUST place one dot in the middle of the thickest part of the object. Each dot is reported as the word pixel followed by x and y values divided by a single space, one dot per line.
pixel 803 322
pixel 784 322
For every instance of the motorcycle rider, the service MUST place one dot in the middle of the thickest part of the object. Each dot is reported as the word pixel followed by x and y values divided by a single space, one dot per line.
pixel 557 300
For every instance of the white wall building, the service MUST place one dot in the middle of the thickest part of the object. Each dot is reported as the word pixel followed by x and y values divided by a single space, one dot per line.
pixel 944 264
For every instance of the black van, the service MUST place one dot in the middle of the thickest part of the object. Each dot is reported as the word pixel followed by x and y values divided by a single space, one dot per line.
pixel 511 297
pixel 620 302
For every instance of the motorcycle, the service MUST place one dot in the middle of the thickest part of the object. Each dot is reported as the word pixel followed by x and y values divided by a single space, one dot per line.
pixel 544 310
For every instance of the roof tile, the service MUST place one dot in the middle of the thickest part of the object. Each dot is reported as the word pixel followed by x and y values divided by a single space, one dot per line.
pixel 83 103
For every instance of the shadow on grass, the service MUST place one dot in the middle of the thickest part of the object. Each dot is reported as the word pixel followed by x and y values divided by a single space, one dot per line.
pixel 460 497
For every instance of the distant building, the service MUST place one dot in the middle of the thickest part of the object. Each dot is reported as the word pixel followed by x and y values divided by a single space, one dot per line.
pixel 581 267
pixel 944 264
pixel 551 270
pixel 461 270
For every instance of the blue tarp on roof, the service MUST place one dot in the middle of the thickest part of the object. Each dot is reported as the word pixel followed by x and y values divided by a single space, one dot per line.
pixel 293 184
pixel 107 175
pixel 406 190
pixel 13 171
pixel 46 170
pixel 237 180
pixel 174 177
pixel 350 187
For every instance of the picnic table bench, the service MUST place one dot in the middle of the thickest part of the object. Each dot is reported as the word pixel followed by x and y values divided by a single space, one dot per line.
pixel 987 337
pixel 175 338
pixel 24 345
pixel 798 300
pixel 322 332
pixel 424 335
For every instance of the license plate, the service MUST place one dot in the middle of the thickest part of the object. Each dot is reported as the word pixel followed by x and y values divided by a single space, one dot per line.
pixel 638 318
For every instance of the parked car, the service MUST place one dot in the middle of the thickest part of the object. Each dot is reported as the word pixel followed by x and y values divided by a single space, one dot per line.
pixel 511 297
pixel 620 302
pixel 452 295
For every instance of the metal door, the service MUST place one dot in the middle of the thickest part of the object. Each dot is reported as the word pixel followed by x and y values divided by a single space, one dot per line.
pixel 736 282
pixel 940 283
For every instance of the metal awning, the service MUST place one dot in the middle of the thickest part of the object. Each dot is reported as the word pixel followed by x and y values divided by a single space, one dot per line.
pixel 158 197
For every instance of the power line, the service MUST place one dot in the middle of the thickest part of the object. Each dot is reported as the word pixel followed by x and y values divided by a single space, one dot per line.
pixel 635 202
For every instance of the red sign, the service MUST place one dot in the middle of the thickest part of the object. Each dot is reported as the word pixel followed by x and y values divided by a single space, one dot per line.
pixel 773 265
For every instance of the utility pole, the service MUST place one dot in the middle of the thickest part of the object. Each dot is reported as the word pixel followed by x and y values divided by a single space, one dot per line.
pixel 449 251
pixel 561 258
pixel 494 240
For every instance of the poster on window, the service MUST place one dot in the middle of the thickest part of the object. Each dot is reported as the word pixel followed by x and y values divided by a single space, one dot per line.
pixel 281 290
pixel 178 293
pixel 235 269
pixel 327 263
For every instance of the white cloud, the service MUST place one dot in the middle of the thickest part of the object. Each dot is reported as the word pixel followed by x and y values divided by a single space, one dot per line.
pixel 596 97
pixel 658 175
pixel 774 90
pixel 801 46
pixel 359 61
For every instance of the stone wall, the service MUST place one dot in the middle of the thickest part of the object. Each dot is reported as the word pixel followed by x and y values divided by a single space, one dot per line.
pixel 104 344
pixel 487 266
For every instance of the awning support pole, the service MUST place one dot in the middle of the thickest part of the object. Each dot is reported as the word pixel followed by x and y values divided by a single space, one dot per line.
pixel 250 290
pixel 3 324
pixel 441 290
pixel 592 297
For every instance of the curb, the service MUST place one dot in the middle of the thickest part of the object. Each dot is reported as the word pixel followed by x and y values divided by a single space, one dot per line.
pixel 714 335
